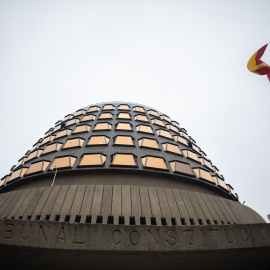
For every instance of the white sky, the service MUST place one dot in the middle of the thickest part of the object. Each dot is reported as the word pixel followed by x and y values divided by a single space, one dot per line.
pixel 185 58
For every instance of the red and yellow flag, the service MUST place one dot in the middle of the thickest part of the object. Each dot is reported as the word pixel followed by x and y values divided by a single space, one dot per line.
pixel 256 65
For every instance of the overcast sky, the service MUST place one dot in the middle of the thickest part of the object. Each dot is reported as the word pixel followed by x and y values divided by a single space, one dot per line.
pixel 187 59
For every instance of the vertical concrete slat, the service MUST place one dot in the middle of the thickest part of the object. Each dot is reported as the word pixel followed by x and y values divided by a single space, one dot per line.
pixel 96 204
pixel 11 204
pixel 106 206
pixel 165 210
pixel 221 209
pixel 136 210
pixel 172 205
pixel 190 209
pixel 218 211
pixel 155 206
pixel 236 210
pixel 145 205
pixel 116 203
pixel 3 199
pixel 181 206
pixel 87 202
pixel 7 202
pixel 229 212
pixel 204 208
pixel 77 203
pixel 65 209
pixel 126 204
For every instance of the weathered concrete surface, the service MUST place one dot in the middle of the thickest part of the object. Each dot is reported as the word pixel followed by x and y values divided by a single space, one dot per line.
pixel 41 244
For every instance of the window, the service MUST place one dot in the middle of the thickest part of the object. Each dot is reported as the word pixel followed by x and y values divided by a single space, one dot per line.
pixel 144 129
pixel 63 133
pixel 92 160
pixel 204 175
pixel 154 113
pixel 181 168
pixel 196 148
pixel 102 126
pixel 158 122
pixel 123 140
pixel 142 118
pixel 164 133
pixel 166 118
pixel 215 179
pixel 73 143
pixel 222 184
pixel 123 116
pixel 216 171
pixel 190 155
pixel 34 154
pixel 108 107
pixel 21 162
pixel 52 148
pixel 183 134
pixel 206 163
pixel 47 139
pixel 80 112
pixel 123 160
pixel 123 107
pixel 17 174
pixel 56 128
pixel 154 162
pixel 123 126
pixel 89 117
pixel 72 122
pixel 63 162
pixel 105 116
pixel 139 109
pixel 94 109
pixel 149 143
pixel 49 132
pixel 176 124
pixel 68 117
pixel 38 167
pixel 98 141
pixel 171 148
pixel 81 129
pixel 173 128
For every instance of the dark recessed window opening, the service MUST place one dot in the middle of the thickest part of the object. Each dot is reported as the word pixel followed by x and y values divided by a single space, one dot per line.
pixel 200 221
pixel 183 221
pixel 208 222
pixel 47 217
pixel 215 221
pixel 29 217
pixel 12 217
pixel 77 219
pixel 153 221
pixel 121 220
pixel 142 221
pixel 67 218
pixel 163 221
pixel 228 222
pixel 99 219
pixel 192 221
pixel 222 222
pixel 173 221
pixel 57 218
pixel 132 221
pixel 110 220
pixel 20 217
pixel 88 219
pixel 38 217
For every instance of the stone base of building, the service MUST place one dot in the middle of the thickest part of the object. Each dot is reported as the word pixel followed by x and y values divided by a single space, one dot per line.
pixel 60 245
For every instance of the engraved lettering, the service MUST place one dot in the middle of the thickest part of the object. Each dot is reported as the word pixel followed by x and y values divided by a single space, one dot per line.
pixel 173 240
pixel 75 238
pixel 134 238
pixel 230 239
pixel 214 231
pixel 8 232
pixel 61 235
pixel 116 243
pixel 264 234
pixel 190 236
pixel 27 235
pixel 156 239
pixel 42 233
pixel 244 235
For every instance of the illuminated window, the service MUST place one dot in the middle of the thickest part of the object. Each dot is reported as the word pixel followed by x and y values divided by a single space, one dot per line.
pixel 17 174
pixel 181 168
pixel 102 126
pixel 98 141
pixel 94 109
pixel 164 133
pixel 158 122
pixel 144 129
pixel 149 143
pixel 123 126
pixel 63 162
pixel 63 133
pixel 52 148
pixel 34 154
pixel 123 107
pixel 123 140
pixel 166 118
pixel 154 162
pixel 123 160
pixel 105 116
pixel 47 139
pixel 204 175
pixel 123 116
pixel 80 112
pixel 206 163
pixel 173 128
pixel 180 140
pixel 154 113
pixel 142 118
pixel 72 122
pixel 38 167
pixel 81 129
pixel 92 160
pixel 68 117
pixel 73 143
pixel 139 109
pixel 89 117
pixel 171 148
pixel 108 108
pixel 190 155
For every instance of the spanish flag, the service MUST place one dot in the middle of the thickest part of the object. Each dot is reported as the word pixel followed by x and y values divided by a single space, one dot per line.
pixel 256 65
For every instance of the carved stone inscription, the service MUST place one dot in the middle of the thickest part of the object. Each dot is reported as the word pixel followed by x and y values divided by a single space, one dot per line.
pixel 144 238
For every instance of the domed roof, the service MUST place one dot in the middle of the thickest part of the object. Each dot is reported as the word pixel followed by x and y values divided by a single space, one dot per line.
pixel 120 136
